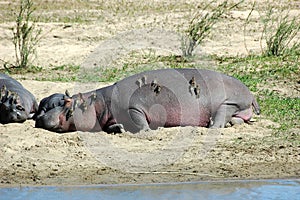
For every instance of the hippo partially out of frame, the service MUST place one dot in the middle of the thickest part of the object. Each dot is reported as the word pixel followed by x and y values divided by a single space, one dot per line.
pixel 152 99
pixel 16 103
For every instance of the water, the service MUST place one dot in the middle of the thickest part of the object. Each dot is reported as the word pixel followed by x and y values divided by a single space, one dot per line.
pixel 266 189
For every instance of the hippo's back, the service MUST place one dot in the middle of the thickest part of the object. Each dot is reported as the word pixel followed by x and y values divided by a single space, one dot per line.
pixel 210 84
pixel 15 86
pixel 9 82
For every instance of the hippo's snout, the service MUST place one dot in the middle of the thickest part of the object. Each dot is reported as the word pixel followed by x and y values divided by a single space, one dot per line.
pixel 10 113
pixel 49 120
pixel 45 121
pixel 17 116
pixel 54 120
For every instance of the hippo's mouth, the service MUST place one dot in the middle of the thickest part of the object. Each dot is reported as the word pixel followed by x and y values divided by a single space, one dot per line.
pixel 54 120
pixel 15 117
pixel 48 122
pixel 19 120
pixel 13 120
pixel 41 123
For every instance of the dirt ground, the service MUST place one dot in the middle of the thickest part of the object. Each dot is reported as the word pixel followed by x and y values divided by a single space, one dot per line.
pixel 32 156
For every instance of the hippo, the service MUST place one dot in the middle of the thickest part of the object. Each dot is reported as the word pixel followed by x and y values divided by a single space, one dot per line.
pixel 16 103
pixel 157 98
pixel 50 102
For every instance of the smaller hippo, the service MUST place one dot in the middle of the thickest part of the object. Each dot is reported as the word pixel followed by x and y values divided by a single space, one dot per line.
pixel 50 102
pixel 16 103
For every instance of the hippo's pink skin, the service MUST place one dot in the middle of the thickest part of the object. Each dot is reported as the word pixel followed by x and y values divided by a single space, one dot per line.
pixel 159 98
pixel 16 103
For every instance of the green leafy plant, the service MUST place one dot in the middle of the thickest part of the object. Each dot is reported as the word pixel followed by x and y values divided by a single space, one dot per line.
pixel 280 30
pixel 201 24
pixel 25 34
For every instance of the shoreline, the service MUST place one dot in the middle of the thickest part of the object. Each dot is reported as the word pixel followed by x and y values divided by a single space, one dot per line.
pixel 156 184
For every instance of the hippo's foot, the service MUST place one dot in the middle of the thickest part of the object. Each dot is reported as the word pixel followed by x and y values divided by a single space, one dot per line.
pixel 115 128
pixel 223 115
pixel 236 121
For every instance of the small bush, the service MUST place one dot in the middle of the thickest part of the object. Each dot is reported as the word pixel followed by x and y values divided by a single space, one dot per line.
pixel 201 25
pixel 280 30
pixel 25 34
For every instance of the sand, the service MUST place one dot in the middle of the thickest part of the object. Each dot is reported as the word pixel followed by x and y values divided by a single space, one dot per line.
pixel 32 156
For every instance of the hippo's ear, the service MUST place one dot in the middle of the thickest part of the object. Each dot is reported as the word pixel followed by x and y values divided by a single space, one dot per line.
pixel 67 93
pixel 3 91
pixel 16 98
pixel 68 102
pixel 81 97
pixel 93 97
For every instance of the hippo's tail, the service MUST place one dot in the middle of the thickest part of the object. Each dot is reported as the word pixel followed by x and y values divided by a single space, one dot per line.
pixel 256 107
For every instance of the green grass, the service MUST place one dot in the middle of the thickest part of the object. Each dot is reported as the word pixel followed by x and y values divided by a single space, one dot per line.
pixel 132 65
pixel 259 73
pixel 283 110
pixel 111 74
pixel 63 73
pixel 253 70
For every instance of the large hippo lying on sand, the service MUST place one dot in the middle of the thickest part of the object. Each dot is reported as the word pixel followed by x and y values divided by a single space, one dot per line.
pixel 16 103
pixel 159 98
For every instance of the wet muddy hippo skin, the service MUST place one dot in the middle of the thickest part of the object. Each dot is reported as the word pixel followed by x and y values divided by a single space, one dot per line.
pixel 16 103
pixel 159 98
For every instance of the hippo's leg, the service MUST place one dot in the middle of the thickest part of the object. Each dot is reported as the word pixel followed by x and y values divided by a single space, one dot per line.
pixel 115 128
pixel 139 119
pixel 223 115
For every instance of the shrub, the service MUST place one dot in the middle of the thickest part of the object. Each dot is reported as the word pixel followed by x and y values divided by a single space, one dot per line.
pixel 201 25
pixel 25 34
pixel 280 30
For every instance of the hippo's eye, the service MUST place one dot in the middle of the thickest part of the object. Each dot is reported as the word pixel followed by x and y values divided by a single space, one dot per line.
pixel 19 107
